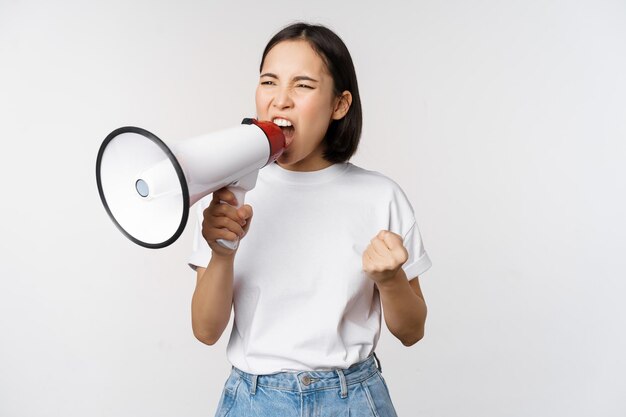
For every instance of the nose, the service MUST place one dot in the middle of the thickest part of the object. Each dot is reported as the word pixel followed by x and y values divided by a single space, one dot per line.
pixel 282 98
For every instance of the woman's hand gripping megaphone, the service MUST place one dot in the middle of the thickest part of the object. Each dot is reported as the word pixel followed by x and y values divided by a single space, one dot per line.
pixel 227 219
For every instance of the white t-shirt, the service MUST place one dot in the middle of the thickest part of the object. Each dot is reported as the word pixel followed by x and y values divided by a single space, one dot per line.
pixel 301 299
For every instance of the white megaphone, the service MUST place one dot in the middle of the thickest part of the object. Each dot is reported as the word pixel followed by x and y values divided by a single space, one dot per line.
pixel 147 187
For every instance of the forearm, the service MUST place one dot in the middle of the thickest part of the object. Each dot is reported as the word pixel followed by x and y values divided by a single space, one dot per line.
pixel 212 300
pixel 404 310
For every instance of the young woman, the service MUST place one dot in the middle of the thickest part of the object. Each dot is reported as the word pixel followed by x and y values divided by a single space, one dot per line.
pixel 330 242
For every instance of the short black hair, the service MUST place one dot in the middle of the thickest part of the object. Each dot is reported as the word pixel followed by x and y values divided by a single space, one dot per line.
pixel 343 135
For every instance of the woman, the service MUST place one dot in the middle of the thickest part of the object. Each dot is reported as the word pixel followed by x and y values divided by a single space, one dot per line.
pixel 330 242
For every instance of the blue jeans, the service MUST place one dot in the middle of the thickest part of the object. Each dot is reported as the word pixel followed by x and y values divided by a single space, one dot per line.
pixel 358 391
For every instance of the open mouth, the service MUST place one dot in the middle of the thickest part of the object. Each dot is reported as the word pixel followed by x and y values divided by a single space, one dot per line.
pixel 289 132
pixel 287 128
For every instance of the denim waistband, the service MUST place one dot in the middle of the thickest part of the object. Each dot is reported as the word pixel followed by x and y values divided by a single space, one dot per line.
pixel 301 381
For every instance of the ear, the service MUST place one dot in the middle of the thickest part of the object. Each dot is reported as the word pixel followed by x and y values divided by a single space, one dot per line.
pixel 342 105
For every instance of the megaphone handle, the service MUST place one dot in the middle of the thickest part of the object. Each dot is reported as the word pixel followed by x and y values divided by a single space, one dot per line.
pixel 239 188
pixel 240 196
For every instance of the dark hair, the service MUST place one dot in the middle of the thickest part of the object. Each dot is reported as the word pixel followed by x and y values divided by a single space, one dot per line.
pixel 342 136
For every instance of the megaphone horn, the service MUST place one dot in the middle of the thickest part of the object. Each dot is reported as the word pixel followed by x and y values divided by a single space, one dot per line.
pixel 147 187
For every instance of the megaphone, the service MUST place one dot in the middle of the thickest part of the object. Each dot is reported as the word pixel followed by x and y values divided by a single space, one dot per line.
pixel 147 187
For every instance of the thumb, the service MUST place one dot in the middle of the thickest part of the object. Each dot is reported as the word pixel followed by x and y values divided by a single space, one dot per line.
pixel 245 212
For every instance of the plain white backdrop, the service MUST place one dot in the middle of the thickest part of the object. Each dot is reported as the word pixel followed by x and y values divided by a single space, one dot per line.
pixel 504 122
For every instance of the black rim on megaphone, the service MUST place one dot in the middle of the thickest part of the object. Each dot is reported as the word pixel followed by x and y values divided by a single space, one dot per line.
pixel 179 173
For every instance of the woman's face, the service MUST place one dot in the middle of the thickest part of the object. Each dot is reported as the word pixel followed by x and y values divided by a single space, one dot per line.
pixel 296 86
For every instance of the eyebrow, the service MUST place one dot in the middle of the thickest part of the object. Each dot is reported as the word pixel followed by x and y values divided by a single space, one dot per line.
pixel 296 78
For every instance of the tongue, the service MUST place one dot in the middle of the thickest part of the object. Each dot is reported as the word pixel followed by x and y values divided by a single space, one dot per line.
pixel 289 132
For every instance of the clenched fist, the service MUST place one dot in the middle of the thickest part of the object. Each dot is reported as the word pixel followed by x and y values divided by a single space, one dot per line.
pixel 384 256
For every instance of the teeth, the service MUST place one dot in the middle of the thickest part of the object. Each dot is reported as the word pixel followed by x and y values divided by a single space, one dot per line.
pixel 282 122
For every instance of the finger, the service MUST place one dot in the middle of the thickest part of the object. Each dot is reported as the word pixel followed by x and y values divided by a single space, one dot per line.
pixel 246 226
pixel 374 256
pixel 223 210
pixel 214 234
pixel 380 248
pixel 247 217
pixel 223 194
pixel 372 262
pixel 395 244
pixel 392 240
pixel 244 212
pixel 226 223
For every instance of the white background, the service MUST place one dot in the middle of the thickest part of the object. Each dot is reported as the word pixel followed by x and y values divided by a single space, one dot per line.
pixel 504 122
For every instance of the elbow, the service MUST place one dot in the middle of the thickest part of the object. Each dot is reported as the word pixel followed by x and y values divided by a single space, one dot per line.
pixel 206 338
pixel 413 339
pixel 206 331
pixel 207 341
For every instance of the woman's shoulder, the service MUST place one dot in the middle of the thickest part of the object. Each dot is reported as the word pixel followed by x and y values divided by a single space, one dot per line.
pixel 378 186
pixel 372 178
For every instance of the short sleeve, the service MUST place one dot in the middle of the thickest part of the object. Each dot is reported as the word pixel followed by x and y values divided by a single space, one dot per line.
pixel 201 251
pixel 418 261
pixel 402 221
